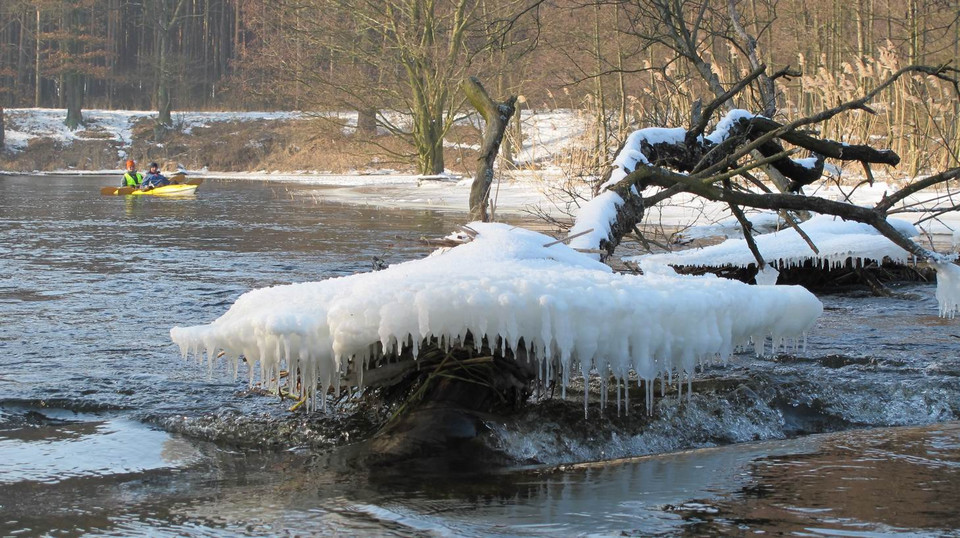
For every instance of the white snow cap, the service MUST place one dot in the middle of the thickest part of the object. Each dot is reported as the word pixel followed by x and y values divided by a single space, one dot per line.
pixel 836 240
pixel 599 213
pixel 572 313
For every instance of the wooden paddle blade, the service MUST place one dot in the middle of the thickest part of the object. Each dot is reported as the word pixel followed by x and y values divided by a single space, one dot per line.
pixel 125 190
pixel 195 181
pixel 178 178
pixel 108 191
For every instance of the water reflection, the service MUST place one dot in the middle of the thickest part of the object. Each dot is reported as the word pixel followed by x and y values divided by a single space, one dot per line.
pixel 868 481
pixel 880 481
pixel 50 446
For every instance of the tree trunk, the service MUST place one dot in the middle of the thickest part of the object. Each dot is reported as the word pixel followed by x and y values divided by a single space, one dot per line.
pixel 36 66
pixel 1 127
pixel 164 107
pixel 497 117
pixel 603 135
pixel 367 122
pixel 443 401
pixel 429 140
pixel 73 92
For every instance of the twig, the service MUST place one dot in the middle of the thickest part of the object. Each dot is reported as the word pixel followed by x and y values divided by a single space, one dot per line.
pixel 568 238
pixel 796 226
pixel 697 130
pixel 748 237
pixel 468 230
pixel 866 168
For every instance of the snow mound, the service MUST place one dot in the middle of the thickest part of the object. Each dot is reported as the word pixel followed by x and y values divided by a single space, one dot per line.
pixel 568 311
pixel 836 240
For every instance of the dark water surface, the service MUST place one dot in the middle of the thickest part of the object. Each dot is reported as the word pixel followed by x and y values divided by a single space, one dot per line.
pixel 92 390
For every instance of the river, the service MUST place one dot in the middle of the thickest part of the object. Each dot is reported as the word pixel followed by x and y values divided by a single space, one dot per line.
pixel 105 430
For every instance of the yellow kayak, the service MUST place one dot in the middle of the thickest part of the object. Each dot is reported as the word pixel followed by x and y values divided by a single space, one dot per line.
pixel 176 189
pixel 167 190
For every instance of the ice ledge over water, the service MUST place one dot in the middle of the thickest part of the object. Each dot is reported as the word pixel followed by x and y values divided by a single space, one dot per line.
pixel 573 314
pixel 836 240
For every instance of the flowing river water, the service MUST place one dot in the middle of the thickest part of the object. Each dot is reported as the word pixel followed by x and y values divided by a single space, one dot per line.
pixel 105 430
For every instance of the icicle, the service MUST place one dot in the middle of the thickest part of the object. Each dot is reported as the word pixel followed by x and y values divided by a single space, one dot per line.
pixel 626 396
pixel 617 381
pixel 586 396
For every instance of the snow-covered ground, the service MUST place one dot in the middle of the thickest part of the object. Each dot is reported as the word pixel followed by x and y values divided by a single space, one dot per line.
pixel 23 124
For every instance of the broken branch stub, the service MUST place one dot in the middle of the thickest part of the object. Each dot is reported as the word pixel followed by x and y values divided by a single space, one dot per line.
pixel 497 117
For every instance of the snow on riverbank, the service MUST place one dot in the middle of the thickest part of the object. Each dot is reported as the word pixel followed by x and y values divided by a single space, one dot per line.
pixel 23 124
pixel 548 134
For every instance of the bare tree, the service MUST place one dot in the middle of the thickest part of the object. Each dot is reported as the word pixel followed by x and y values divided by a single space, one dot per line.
pixel 398 62
pixel 167 16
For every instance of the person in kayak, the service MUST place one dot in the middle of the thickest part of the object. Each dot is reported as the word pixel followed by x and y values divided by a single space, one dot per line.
pixel 154 178
pixel 131 178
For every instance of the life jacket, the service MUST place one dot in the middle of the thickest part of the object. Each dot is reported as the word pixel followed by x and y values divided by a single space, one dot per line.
pixel 132 181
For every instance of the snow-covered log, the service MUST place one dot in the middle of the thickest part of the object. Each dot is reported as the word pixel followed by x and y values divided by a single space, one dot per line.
pixel 713 168
pixel 677 159
pixel 568 313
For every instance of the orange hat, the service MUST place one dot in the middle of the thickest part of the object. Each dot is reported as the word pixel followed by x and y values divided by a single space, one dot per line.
pixel 130 163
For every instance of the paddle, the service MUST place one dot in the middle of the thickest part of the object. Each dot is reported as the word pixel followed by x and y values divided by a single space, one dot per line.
pixel 178 179
pixel 110 191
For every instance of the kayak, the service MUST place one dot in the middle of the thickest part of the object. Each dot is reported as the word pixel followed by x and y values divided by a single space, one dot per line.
pixel 167 190
pixel 175 189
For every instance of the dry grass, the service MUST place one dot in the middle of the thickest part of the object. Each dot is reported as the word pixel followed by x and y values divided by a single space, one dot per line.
pixel 916 117
pixel 45 155
pixel 261 145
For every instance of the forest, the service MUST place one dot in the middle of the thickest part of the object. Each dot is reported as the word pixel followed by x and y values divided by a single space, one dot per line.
pixel 400 63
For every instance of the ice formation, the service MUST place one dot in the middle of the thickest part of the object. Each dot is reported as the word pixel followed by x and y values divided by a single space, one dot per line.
pixel 571 313
pixel 836 240
pixel 948 289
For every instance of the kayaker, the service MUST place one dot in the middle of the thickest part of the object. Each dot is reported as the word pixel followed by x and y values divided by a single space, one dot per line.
pixel 154 178
pixel 131 178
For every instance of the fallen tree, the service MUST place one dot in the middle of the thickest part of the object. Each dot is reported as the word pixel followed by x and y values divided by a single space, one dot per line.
pixel 719 167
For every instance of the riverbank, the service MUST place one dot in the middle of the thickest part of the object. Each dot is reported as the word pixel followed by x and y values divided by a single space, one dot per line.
pixel 293 142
